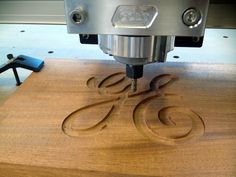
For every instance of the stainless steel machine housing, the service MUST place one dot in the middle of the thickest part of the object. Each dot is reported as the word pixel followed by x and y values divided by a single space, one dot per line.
pixel 137 32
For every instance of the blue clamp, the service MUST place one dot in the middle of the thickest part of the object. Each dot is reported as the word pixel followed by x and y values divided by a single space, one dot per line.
pixel 21 61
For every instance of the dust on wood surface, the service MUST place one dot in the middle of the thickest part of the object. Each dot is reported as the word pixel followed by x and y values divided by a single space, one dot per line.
pixel 79 118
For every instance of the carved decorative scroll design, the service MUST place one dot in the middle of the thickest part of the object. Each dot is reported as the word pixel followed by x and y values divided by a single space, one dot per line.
pixel 164 116
pixel 104 87
pixel 67 125
pixel 117 86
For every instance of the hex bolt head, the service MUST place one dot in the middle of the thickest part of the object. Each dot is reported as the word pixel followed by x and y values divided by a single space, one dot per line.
pixel 78 16
pixel 10 56
pixel 192 17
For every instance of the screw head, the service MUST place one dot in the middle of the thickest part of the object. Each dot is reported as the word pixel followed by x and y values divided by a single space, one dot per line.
pixel 192 17
pixel 78 16
pixel 10 56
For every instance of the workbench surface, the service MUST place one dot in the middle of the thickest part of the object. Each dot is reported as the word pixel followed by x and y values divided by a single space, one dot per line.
pixel 79 118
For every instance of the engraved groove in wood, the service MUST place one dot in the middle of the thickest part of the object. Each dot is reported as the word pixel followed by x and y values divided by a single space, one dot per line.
pixel 140 120
pixel 67 125
pixel 115 83
pixel 91 82
pixel 157 86
pixel 157 82
pixel 122 90
pixel 110 84
pixel 103 82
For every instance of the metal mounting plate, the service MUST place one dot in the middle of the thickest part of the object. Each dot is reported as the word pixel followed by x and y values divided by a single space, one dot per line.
pixel 168 22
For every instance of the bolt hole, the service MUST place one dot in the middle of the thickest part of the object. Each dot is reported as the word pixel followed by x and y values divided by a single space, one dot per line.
pixel 77 18
pixel 226 37
pixel 176 57
pixel 22 31
pixel 50 52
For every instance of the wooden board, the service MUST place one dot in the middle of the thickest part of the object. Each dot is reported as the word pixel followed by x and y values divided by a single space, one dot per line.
pixel 78 118
pixel 7 87
pixel 8 83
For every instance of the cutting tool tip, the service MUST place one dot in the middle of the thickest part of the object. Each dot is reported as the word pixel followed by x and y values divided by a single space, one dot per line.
pixel 134 85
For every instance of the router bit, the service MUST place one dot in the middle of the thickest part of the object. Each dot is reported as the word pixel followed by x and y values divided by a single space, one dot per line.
pixel 134 85
pixel 134 72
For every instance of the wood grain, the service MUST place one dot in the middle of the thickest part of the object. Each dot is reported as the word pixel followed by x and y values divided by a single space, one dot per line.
pixel 8 83
pixel 78 118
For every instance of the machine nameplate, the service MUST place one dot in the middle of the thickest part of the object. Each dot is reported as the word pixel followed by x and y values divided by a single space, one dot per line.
pixel 134 16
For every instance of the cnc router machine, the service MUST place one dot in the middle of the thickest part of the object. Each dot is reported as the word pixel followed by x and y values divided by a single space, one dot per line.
pixel 138 32
pixel 134 32
pixel 79 117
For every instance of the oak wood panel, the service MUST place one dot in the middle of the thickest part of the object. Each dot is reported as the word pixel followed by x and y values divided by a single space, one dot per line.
pixel 78 118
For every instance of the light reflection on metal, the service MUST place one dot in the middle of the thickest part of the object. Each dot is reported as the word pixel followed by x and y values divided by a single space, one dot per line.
pixel 131 16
